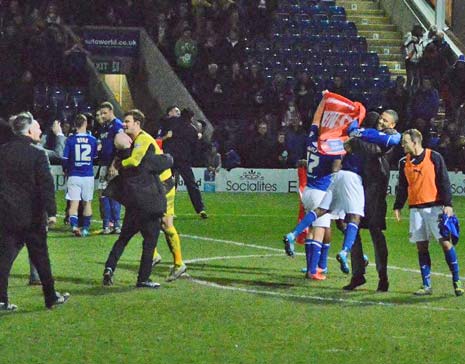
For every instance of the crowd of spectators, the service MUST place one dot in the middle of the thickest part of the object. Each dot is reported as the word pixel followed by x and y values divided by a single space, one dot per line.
pixel 207 42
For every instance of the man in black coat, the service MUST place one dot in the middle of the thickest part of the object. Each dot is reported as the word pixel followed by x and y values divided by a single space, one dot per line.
pixel 183 145
pixel 27 204
pixel 375 184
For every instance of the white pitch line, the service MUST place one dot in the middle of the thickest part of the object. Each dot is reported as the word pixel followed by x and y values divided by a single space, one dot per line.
pixel 237 243
pixel 318 298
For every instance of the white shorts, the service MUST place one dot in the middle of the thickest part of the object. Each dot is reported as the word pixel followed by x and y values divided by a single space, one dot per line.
pixel 424 223
pixel 311 199
pixel 345 194
pixel 80 188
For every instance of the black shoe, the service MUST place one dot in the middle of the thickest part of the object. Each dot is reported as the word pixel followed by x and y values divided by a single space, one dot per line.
pixel 35 282
pixel 108 277
pixel 60 299
pixel 383 285
pixel 354 283
pixel 148 284
pixel 7 307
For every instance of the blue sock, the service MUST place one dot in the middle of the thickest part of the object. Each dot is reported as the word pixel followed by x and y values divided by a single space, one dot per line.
pixel 424 260
pixel 308 253
pixel 105 201
pixel 73 221
pixel 307 221
pixel 323 263
pixel 115 212
pixel 349 236
pixel 451 259
pixel 86 222
pixel 316 253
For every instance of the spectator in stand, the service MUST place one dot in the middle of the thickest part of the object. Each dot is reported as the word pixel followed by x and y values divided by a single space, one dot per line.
pixel 235 90
pixel 281 153
pixel 233 48
pixel 430 36
pixel 260 148
pixel 305 93
pixel 455 82
pixel 213 159
pixel 413 48
pixel 278 94
pixel 209 52
pixel 444 48
pixel 185 51
pixel 425 101
pixel 261 16
pixel 296 142
pixel 433 65
pixel 397 98
pixel 338 87
pixel 130 13
pixel 162 35
pixel 255 79
pixel 290 114
pixel 212 93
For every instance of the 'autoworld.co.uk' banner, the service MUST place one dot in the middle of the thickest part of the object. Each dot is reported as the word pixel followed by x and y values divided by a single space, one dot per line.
pixel 263 181
pixel 111 42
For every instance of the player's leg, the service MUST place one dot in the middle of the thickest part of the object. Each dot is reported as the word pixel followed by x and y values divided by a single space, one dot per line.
pixel 115 208
pixel 313 248
pixel 418 233
pixel 87 196
pixel 381 257
pixel 172 238
pixel 450 254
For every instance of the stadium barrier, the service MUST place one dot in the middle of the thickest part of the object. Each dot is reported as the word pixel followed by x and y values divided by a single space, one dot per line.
pixel 262 180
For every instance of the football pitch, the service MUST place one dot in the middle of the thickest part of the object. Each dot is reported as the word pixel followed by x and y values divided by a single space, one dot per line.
pixel 244 301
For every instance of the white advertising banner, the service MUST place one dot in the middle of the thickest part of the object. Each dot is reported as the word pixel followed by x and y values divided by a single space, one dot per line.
pixel 262 180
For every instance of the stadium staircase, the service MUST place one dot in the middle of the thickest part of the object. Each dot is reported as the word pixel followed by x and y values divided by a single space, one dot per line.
pixel 382 36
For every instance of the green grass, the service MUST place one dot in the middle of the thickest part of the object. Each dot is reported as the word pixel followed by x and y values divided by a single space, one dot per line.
pixel 254 308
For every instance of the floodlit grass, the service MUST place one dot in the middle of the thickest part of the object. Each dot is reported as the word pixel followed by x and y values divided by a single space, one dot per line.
pixel 246 302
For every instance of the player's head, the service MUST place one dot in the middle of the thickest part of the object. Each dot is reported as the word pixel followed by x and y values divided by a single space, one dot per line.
pixel 411 141
pixel 133 122
pixel 173 111
pixel 106 111
pixel 122 141
pixel 25 124
pixel 80 122
pixel 371 120
pixel 98 117
pixel 387 120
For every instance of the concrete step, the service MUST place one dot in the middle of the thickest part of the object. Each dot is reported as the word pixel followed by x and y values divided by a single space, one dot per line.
pixel 358 5
pixel 364 19
pixel 389 57
pixel 370 34
pixel 393 65
pixel 377 27
pixel 395 42
pixel 375 12
pixel 386 49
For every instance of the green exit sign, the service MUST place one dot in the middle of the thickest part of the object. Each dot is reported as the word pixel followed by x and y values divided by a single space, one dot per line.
pixel 108 67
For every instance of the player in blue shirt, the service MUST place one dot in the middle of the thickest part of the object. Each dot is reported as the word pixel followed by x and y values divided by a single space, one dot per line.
pixel 109 127
pixel 320 169
pixel 78 165
pixel 344 195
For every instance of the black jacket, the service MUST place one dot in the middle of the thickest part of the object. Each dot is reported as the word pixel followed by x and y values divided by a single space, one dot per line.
pixel 27 191
pixel 140 187
pixel 183 145
pixel 375 177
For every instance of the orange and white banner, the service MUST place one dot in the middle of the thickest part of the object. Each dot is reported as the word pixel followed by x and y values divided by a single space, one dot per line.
pixel 334 114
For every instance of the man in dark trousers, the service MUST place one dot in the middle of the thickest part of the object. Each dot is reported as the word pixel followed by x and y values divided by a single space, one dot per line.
pixel 182 145
pixel 375 184
pixel 27 204
pixel 145 202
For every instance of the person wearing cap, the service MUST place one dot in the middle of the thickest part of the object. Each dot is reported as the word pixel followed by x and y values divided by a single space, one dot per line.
pixel 424 183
